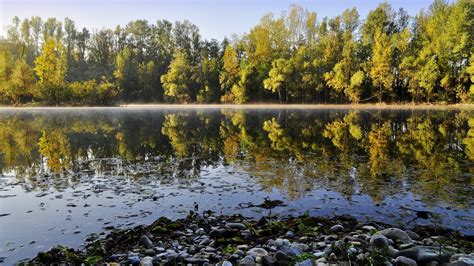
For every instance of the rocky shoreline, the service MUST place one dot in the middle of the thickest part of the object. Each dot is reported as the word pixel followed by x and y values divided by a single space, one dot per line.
pixel 208 239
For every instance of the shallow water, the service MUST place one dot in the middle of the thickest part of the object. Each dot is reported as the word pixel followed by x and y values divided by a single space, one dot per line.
pixel 65 174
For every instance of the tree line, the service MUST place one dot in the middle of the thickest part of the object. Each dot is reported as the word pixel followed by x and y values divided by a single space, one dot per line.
pixel 296 57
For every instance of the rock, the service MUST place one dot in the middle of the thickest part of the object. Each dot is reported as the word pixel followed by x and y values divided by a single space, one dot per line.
pixel 257 252
pixel 268 260
pixel 396 235
pixel 300 246
pixel 428 242
pixel 404 261
pixel 318 254
pixel 368 228
pixel 379 241
pixel 243 247
pixel 423 254
pixel 145 241
pixel 412 235
pixel 226 263
pixel 308 262
pixel 292 251
pixel 281 256
pixel 405 246
pixel 133 260
pixel 336 228
pixel 146 261
pixel 290 234
pixel 239 226
pixel 247 260
pixel 150 252
pixel 462 259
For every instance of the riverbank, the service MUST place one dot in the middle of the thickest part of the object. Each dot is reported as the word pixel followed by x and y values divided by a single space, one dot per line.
pixel 236 240
pixel 263 106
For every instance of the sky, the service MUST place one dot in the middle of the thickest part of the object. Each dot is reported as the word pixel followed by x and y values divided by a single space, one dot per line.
pixel 215 18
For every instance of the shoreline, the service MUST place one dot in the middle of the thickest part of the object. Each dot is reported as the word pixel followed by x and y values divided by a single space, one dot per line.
pixel 257 106
pixel 237 240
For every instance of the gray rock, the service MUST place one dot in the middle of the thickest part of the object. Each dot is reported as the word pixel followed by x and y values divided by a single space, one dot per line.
pixel 308 262
pixel 243 247
pixel 396 235
pixel 290 234
pixel 423 254
pixel 268 260
pixel 412 235
pixel 462 259
pixel 226 263
pixel 150 252
pixel 146 261
pixel 134 260
pixel 368 228
pixel 145 241
pixel 336 228
pixel 247 260
pixel 257 252
pixel 404 261
pixel 300 246
pixel 379 240
pixel 292 251
pixel 239 226
pixel 318 254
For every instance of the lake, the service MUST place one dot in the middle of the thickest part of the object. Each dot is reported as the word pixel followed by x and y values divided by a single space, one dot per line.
pixel 66 174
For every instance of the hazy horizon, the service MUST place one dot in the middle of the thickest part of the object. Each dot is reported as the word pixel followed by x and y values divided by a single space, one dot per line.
pixel 215 19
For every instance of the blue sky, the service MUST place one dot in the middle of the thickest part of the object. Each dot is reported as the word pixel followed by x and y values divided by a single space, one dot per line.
pixel 215 18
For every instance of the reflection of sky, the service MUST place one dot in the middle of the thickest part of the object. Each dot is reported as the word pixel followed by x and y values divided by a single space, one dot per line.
pixel 215 18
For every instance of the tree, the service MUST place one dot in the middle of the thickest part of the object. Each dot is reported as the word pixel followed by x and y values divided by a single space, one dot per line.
pixel 126 73
pixel 22 81
pixel 51 67
pixel 229 75
pixel 177 81
pixel 381 65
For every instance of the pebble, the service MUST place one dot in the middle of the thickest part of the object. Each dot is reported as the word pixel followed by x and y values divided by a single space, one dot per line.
pixel 145 241
pixel 146 261
pixel 404 261
pixel 379 241
pixel 307 262
pixel 257 252
pixel 396 235
pixel 239 226
pixel 247 260
pixel 336 228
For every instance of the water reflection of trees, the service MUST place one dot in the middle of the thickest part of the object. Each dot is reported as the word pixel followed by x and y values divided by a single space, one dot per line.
pixel 378 153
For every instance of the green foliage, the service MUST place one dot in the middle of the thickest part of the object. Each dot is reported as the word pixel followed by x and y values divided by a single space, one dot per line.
pixel 177 81
pixel 51 67
pixel 290 58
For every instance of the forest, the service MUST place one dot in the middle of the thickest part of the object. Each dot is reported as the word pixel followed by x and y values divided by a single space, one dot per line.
pixel 295 57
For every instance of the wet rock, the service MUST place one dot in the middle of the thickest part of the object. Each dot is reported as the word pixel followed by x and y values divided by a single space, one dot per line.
pixel 145 241
pixel 307 262
pixel 396 235
pixel 404 261
pixel 336 228
pixel 257 252
pixel 379 241
pixel 318 254
pixel 300 246
pixel 462 260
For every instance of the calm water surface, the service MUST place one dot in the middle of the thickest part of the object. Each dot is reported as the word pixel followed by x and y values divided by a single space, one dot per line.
pixel 65 174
